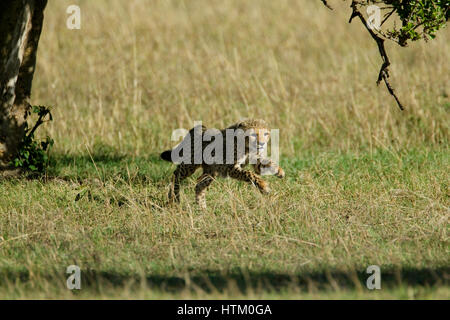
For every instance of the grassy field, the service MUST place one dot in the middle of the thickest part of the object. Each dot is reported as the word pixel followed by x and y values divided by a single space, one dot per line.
pixel 366 184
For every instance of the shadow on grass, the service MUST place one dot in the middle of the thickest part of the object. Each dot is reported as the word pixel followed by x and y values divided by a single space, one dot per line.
pixel 209 281
pixel 271 281
pixel 106 166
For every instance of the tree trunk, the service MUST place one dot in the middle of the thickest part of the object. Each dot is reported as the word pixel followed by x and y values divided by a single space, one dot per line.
pixel 20 29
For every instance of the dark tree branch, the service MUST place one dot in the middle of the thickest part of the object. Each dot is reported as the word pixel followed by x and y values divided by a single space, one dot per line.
pixel 384 70
pixel 42 113
pixel 387 16
pixel 326 4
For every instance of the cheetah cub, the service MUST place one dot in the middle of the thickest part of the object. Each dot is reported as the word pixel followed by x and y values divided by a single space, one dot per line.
pixel 222 152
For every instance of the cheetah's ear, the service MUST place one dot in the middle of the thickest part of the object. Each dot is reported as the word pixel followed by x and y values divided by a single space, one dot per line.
pixel 241 123
pixel 198 128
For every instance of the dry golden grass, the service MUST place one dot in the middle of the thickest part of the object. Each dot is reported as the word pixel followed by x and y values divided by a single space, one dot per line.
pixel 366 183
pixel 139 69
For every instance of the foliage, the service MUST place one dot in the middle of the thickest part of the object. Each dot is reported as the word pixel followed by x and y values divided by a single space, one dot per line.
pixel 420 19
pixel 33 154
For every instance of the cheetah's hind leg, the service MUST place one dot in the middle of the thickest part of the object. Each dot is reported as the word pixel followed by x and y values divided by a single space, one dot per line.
pixel 182 172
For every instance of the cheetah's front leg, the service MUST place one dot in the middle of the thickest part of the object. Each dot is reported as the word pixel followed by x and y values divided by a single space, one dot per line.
pixel 248 176
pixel 268 166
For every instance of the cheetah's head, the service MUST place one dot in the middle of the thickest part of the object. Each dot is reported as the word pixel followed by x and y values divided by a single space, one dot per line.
pixel 258 133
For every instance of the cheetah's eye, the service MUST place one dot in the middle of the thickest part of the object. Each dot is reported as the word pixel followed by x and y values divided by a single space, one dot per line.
pixel 266 134
pixel 254 135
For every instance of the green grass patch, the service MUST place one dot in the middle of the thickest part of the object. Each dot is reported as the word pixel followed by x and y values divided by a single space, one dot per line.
pixel 333 216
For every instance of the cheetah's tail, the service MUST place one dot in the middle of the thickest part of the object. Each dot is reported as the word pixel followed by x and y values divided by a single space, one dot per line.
pixel 167 155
